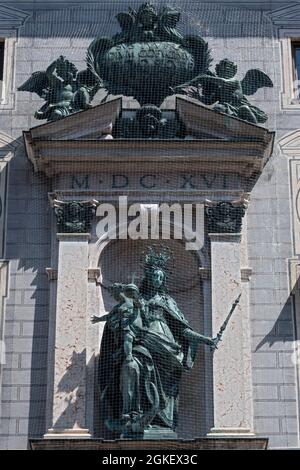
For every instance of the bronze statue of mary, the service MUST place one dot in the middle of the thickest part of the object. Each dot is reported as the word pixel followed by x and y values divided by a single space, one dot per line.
pixel 147 344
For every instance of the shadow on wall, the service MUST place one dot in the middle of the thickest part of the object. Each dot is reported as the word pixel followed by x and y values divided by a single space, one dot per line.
pixel 284 328
pixel 28 250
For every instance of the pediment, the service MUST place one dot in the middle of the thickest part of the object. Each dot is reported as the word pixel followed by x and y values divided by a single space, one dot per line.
pixel 203 122
pixel 200 122
pixel 286 16
pixel 88 124
pixel 290 143
pixel 11 17
pixel 83 141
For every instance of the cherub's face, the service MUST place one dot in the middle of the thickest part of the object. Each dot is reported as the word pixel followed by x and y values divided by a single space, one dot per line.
pixel 226 69
pixel 116 291
pixel 147 17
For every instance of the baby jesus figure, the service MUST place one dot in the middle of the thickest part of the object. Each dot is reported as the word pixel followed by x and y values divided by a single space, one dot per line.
pixel 126 322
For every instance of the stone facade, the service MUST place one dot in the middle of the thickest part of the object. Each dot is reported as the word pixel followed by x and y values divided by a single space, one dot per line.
pixel 249 36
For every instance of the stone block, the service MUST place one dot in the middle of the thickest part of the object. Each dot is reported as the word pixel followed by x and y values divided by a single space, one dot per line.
pixel 36 329
pixel 283 441
pixel 14 443
pixel 262 359
pixel 38 297
pixel 286 359
pixel 25 377
pixel 21 409
pixel 12 360
pixel 267 426
pixel 265 312
pixel 262 296
pixel 275 408
pixel 289 425
pixel 25 345
pixel 12 328
pixel 19 312
pixel 262 281
pixel 288 392
pixel 9 393
pixel 8 426
pixel 274 376
pixel 33 392
pixel 261 265
pixel 261 327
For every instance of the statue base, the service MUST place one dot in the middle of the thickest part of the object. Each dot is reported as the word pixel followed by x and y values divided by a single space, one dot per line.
pixel 206 443
pixel 151 434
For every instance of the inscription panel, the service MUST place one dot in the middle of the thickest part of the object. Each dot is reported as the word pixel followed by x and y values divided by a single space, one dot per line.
pixel 149 181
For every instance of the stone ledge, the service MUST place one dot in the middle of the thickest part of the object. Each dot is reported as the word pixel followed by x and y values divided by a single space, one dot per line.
pixel 229 443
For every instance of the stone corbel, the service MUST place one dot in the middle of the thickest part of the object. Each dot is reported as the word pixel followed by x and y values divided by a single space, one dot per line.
pixel 94 275
pixel 51 274
pixel 204 273
pixel 246 274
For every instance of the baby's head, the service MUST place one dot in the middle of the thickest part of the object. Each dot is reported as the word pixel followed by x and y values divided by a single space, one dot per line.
pixel 131 291
pixel 116 290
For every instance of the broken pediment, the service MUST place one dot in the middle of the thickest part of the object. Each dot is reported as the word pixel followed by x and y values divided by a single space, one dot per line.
pixel 286 16
pixel 11 18
pixel 290 144
pixel 87 141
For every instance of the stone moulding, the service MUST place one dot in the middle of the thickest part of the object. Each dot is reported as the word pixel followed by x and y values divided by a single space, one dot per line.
pixel 209 443
pixel 223 143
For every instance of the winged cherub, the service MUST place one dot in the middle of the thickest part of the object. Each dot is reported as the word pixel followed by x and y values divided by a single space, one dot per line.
pixel 64 89
pixel 226 94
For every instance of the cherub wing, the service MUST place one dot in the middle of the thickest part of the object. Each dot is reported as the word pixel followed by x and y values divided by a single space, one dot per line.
pixel 36 83
pixel 126 20
pixel 200 51
pixel 97 48
pixel 255 79
pixel 168 19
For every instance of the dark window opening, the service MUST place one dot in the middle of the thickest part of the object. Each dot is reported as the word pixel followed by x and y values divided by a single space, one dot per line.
pixel 296 68
pixel 1 59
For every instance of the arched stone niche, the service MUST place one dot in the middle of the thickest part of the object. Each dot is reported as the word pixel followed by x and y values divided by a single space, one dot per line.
pixel 118 261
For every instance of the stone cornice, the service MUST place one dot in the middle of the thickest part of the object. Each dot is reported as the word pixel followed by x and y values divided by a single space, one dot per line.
pixel 246 158
pixel 76 142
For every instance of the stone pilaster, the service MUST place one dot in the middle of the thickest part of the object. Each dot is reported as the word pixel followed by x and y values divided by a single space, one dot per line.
pixel 232 411
pixel 69 410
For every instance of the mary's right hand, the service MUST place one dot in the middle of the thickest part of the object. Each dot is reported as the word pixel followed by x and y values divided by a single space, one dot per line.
pixel 94 319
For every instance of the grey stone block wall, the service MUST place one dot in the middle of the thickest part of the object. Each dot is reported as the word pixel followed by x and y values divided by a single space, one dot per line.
pixel 243 35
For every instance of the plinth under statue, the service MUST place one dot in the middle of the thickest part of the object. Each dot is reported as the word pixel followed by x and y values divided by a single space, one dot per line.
pixel 147 344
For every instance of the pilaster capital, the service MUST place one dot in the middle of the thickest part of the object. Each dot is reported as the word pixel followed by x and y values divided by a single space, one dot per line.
pixel 74 216
pixel 225 217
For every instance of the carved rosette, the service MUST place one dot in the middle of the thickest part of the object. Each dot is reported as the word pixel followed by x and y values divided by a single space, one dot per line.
pixel 74 216
pixel 225 217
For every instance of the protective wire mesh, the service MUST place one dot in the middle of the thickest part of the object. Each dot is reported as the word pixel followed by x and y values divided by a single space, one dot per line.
pixel 247 38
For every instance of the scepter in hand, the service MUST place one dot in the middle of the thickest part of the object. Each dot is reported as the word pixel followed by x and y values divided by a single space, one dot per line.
pixel 218 338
